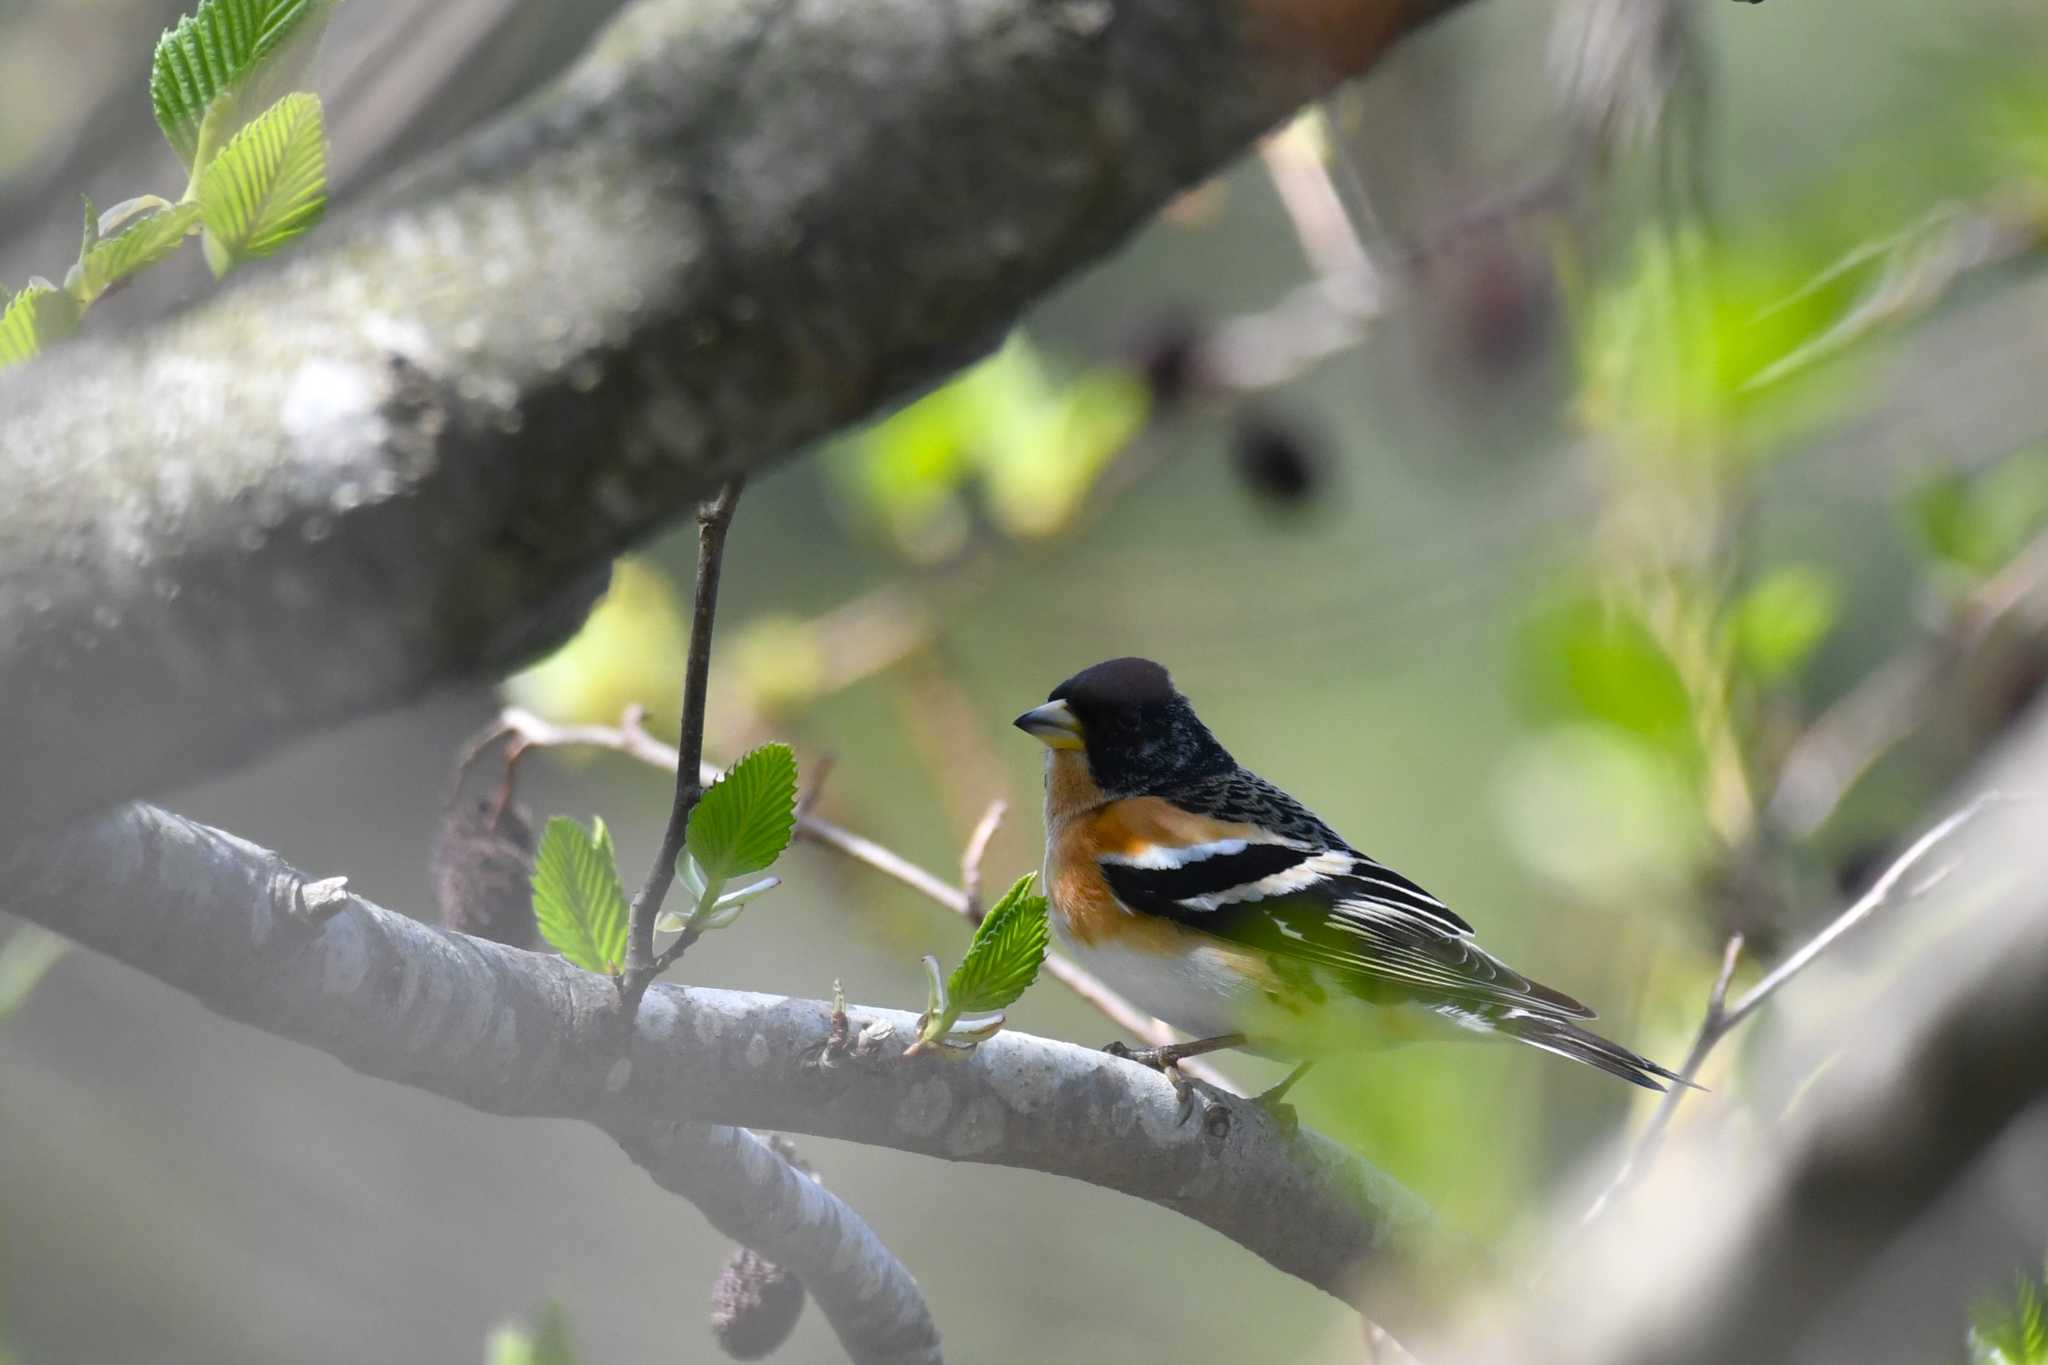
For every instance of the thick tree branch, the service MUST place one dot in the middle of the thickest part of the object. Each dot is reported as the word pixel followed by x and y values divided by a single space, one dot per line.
pixel 518 1033
pixel 408 455
pixel 752 1195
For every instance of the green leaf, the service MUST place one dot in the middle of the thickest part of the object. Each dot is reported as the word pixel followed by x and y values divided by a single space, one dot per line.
pixel 140 245
pixel 267 186
pixel 222 51
pixel 1004 958
pixel 26 956
pixel 1777 624
pixel 744 822
pixel 577 899
pixel 40 314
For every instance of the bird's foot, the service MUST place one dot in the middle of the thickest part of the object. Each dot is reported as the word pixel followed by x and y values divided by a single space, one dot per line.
pixel 1165 1061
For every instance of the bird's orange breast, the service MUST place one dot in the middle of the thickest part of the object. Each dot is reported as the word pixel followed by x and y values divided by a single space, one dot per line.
pixel 1082 825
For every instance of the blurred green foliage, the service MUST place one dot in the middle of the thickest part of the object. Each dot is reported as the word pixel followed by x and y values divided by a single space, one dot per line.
pixel 1030 442
pixel 630 651
pixel 1972 523
pixel 545 1342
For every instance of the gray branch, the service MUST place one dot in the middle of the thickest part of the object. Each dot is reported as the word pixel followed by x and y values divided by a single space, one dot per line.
pixel 748 1192
pixel 519 1033
pixel 407 455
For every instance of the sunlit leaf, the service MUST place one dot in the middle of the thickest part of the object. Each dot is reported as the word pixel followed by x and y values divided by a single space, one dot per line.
pixel 577 899
pixel 2013 1332
pixel 1002 962
pixel 141 244
pixel 222 51
pixel 37 316
pixel 267 186
pixel 745 820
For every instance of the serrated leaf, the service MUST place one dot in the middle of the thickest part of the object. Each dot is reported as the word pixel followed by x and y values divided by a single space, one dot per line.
pixel 40 314
pixel 137 247
pixel 267 186
pixel 1004 958
pixel 745 821
pixel 220 52
pixel 577 899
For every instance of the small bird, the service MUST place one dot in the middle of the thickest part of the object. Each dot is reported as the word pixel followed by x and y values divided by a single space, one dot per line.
pixel 1219 903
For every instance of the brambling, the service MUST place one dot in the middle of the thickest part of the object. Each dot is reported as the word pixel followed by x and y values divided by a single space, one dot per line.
pixel 1222 905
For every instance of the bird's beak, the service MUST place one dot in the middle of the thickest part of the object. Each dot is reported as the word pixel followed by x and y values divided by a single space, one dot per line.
pixel 1053 724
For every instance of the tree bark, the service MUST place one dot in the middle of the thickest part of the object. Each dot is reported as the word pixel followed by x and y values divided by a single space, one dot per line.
pixel 407 455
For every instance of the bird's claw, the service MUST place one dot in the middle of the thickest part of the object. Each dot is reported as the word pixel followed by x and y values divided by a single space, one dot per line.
pixel 1163 1061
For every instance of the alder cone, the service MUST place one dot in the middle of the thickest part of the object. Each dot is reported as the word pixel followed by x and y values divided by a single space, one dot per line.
pixel 483 872
pixel 754 1305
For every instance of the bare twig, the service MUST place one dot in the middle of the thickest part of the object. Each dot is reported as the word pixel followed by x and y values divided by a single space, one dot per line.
pixel 1712 1026
pixel 1722 1018
pixel 821 769
pixel 714 518
pixel 1296 163
pixel 970 860
pixel 631 739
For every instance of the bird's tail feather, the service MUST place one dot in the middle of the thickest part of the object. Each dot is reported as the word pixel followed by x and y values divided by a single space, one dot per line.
pixel 1567 1039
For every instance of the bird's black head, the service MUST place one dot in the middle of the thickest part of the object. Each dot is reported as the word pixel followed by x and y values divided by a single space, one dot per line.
pixel 1138 733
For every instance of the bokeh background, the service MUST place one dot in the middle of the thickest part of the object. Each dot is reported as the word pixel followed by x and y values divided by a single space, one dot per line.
pixel 1699 386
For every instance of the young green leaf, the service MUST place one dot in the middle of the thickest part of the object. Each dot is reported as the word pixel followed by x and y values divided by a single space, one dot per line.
pixel 577 899
pixel 137 247
pixel 1004 958
pixel 221 51
pixel 40 314
pixel 744 822
pixel 267 186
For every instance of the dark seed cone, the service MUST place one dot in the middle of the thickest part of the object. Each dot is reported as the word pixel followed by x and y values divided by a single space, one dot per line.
pixel 754 1306
pixel 1169 361
pixel 1276 460
pixel 483 872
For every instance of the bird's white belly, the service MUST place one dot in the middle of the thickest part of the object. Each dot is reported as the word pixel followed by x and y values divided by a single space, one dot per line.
pixel 1204 994
pixel 1199 992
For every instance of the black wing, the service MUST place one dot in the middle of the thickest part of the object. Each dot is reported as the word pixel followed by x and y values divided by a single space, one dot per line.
pixel 1302 893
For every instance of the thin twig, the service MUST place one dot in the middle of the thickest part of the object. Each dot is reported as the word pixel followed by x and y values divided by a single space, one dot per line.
pixel 1720 1018
pixel 970 860
pixel 821 769
pixel 714 518
pixel 1648 1142
pixel 631 739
